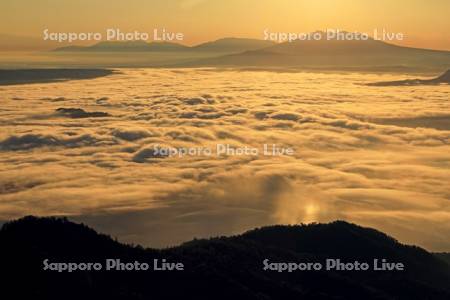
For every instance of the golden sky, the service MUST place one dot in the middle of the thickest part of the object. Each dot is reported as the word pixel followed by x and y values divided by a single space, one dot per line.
pixel 424 23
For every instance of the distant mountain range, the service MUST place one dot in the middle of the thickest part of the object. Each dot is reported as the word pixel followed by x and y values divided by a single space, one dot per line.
pixel 324 53
pixel 317 54
pixel 217 268
pixel 334 53
pixel 225 45
pixel 138 46
pixel 233 45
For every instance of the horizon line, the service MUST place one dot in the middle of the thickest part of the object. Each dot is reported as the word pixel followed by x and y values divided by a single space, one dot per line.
pixel 149 41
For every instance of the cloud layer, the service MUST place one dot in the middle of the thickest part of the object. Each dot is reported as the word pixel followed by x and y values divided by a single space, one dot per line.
pixel 86 149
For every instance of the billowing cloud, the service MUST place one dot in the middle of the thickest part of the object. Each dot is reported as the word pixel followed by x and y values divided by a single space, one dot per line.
pixel 364 154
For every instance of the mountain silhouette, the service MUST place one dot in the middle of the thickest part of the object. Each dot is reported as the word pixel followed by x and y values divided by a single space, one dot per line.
pixel 443 79
pixel 217 268
pixel 233 45
pixel 225 45
pixel 326 53
pixel 334 53
pixel 132 46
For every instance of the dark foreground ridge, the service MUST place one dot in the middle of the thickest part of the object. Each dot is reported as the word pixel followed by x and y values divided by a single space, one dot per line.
pixel 14 77
pixel 217 268
pixel 443 79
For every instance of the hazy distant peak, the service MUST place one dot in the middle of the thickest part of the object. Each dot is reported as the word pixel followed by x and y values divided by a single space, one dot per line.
pixel 234 44
pixel 237 40
pixel 224 45
pixel 338 34
pixel 120 44
pixel 139 46
pixel 132 44
pixel 341 43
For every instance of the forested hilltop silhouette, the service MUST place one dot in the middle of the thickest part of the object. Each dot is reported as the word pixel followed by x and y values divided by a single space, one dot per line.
pixel 217 268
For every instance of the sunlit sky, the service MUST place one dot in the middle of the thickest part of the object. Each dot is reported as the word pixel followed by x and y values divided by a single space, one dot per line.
pixel 425 23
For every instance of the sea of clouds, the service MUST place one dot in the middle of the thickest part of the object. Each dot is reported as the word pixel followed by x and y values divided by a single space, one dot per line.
pixel 86 149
